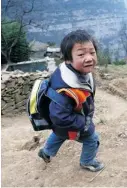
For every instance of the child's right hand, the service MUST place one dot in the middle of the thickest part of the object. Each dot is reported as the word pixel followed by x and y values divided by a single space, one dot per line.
pixel 87 123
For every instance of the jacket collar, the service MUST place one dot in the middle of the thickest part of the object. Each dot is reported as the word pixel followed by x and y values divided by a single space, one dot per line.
pixel 74 79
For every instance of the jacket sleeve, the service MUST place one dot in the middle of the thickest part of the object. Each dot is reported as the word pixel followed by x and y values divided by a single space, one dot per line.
pixel 62 117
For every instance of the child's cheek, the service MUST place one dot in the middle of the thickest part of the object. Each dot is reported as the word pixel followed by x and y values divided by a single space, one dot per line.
pixel 78 66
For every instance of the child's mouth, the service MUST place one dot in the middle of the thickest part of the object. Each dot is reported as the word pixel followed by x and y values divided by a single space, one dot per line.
pixel 88 66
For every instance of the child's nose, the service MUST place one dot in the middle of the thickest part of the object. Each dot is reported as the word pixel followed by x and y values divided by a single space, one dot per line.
pixel 88 58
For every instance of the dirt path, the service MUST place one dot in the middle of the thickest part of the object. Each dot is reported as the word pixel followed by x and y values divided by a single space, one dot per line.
pixel 21 166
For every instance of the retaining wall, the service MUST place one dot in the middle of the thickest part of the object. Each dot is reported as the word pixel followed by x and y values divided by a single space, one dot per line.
pixel 15 90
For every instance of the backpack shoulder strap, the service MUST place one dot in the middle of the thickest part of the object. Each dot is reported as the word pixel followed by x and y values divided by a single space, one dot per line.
pixel 78 95
pixel 58 98
pixel 33 97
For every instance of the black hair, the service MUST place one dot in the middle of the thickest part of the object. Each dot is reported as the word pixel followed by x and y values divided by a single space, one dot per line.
pixel 68 42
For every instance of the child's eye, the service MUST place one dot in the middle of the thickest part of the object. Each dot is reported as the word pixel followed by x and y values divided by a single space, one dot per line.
pixel 80 55
pixel 92 53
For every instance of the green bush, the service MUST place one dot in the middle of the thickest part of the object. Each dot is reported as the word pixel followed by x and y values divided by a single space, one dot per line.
pixel 10 32
pixel 119 62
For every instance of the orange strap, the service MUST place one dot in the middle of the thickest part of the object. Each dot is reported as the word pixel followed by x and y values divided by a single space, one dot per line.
pixel 78 95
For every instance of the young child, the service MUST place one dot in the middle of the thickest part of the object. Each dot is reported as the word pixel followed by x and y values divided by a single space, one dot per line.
pixel 73 79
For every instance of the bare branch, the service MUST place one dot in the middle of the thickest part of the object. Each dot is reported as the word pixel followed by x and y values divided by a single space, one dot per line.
pixel 123 36
pixel 30 10
pixel 2 35
pixel 7 6
pixel 4 54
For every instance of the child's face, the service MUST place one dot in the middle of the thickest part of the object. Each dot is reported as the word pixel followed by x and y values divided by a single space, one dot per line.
pixel 84 57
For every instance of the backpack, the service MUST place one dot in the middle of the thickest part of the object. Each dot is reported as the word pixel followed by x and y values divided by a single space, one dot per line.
pixel 38 104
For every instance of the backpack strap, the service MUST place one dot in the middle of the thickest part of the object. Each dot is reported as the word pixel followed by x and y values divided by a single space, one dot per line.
pixel 42 88
pixel 33 97
pixel 58 98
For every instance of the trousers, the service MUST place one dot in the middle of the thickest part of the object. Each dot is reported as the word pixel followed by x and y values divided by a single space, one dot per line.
pixel 90 147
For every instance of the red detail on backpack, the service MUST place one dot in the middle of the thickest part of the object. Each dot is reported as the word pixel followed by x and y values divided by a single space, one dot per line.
pixel 72 135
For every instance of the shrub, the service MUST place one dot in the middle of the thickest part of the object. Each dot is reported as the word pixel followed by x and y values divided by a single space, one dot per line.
pixel 119 62
pixel 51 43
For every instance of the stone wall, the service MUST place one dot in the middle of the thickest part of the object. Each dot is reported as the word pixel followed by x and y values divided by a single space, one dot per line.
pixel 15 90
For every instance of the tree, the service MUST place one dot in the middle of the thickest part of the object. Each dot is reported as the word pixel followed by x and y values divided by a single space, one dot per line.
pixel 14 44
pixel 123 36
pixel 104 55
pixel 103 59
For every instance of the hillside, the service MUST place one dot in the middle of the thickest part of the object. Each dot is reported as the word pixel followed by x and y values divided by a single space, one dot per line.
pixel 52 19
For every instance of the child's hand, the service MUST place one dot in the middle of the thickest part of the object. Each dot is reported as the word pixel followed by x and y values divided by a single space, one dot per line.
pixel 88 122
pixel 82 133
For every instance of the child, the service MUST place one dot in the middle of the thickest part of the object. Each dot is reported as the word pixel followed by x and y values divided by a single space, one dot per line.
pixel 73 79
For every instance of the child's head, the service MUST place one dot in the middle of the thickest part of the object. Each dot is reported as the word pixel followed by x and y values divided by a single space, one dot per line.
pixel 79 49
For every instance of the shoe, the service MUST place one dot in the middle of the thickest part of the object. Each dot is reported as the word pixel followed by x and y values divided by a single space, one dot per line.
pixel 45 157
pixel 94 167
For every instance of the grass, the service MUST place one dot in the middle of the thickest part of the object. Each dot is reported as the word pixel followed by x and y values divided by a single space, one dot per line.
pixel 118 70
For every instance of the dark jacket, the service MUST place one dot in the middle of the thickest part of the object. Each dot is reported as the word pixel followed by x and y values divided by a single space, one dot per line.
pixel 71 121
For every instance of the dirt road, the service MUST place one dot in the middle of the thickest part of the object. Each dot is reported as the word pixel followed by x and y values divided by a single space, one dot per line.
pixel 21 166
